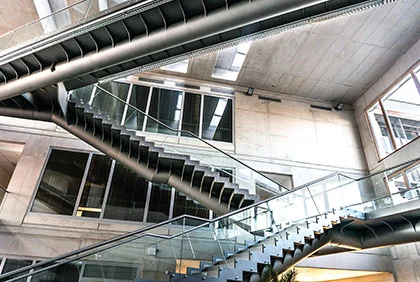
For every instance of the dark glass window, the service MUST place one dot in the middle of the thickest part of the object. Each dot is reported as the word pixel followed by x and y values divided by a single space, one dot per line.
pixel 13 264
pixel 191 113
pixel 160 199
pixel 68 272
pixel 110 272
pixel 60 183
pixel 108 104
pixel 165 106
pixel 127 195
pixel 217 119
pixel 186 205
pixel 94 190
pixel 138 99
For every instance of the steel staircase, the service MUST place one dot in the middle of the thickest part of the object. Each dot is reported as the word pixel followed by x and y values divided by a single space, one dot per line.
pixel 156 164
pixel 227 249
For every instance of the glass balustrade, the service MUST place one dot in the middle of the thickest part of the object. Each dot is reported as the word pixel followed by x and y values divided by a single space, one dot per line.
pixel 72 15
pixel 186 244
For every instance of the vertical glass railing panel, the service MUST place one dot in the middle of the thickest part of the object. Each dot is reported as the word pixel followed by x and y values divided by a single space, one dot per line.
pixel 198 245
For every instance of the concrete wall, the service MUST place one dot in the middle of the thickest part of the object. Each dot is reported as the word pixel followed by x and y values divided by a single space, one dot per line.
pixel 383 277
pixel 13 16
pixel 406 261
pixel 292 138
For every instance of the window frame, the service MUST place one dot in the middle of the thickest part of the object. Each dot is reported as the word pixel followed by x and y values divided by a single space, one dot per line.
pixel 167 85
pixel 101 217
pixel 379 100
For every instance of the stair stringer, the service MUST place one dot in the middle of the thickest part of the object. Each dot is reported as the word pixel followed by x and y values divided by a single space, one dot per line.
pixel 141 169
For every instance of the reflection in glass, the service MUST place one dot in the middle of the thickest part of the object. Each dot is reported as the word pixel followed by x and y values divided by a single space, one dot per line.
pixel 13 264
pixel 186 205
pixel 127 195
pixel 108 104
pixel 138 99
pixel 413 176
pixel 217 119
pixel 83 93
pixel 60 183
pixel 160 199
pixel 165 106
pixel 403 109
pixel 380 131
pixel 94 190
pixel 110 272
pixel 191 113
pixel 68 272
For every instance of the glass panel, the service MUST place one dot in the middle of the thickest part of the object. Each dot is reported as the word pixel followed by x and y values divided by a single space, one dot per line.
pixel 60 183
pixel 127 195
pixel 217 119
pixel 138 99
pixel 397 184
pixel 94 190
pixel 186 205
pixel 166 107
pixel 160 200
pixel 83 93
pixel 106 103
pixel 191 113
pixel 380 131
pixel 403 108
pixel 413 176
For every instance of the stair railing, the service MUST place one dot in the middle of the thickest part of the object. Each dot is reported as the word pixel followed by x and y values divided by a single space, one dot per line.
pixel 46 26
pixel 246 176
pixel 223 235
pixel 4 189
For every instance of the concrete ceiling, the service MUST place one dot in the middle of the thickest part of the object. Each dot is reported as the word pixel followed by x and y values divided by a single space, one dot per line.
pixel 334 60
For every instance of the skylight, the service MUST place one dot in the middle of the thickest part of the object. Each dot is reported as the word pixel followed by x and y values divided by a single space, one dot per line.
pixel 181 66
pixel 229 62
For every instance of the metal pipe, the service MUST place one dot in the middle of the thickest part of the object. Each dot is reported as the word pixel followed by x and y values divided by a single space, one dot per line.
pixel 237 15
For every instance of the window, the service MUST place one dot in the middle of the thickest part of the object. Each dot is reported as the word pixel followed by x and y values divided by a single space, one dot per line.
pixel 166 107
pixel 217 115
pixel 127 195
pixel 406 182
pixel 60 183
pixel 395 118
pixel 94 188
pixel 93 185
pixel 207 116
pixel 229 62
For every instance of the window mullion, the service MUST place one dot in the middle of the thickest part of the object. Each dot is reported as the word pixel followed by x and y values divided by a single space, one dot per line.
pixel 82 184
pixel 181 114
pixel 146 206
pixel 200 127
pixel 107 188
pixel 149 99
pixel 388 125
pixel 124 115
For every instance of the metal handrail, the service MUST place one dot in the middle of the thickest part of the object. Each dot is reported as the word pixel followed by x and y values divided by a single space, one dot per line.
pixel 192 135
pixel 145 229
pixel 4 189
